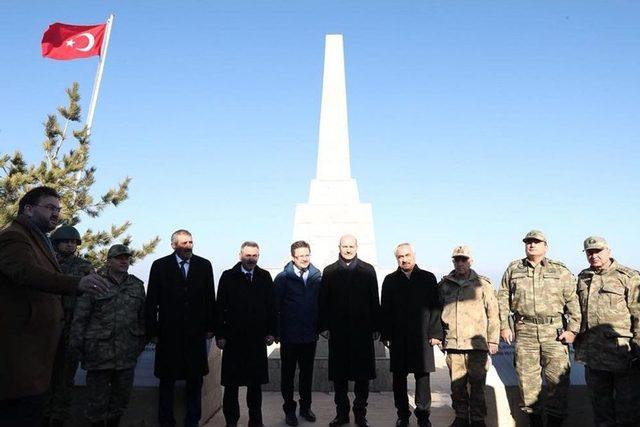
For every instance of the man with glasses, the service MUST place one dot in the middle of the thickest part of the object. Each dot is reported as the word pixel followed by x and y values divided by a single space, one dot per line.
pixel 31 312
pixel 540 292
pixel 296 299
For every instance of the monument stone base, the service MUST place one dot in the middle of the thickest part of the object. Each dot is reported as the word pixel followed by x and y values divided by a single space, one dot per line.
pixel 321 370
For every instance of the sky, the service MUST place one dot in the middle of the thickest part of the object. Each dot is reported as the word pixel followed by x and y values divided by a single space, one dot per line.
pixel 470 122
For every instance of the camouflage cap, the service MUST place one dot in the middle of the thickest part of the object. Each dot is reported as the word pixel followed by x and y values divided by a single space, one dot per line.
pixel 117 250
pixel 595 242
pixel 461 251
pixel 535 235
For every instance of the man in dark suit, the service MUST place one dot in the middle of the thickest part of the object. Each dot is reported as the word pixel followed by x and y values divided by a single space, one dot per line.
pixel 246 326
pixel 411 326
pixel 31 312
pixel 349 310
pixel 180 315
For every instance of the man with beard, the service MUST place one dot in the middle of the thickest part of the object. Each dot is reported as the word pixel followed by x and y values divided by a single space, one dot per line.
pixel 410 328
pixel 540 292
pixel 180 317
pixel 609 339
pixel 348 317
pixel 66 240
pixel 472 330
pixel 31 313
pixel 246 326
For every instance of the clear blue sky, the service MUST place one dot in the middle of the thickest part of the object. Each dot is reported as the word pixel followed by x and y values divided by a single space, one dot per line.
pixel 470 122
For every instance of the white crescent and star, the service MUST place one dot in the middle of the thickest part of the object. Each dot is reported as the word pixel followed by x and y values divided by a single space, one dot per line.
pixel 90 42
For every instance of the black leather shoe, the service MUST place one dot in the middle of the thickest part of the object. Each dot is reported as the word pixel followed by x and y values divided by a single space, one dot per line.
pixel 362 422
pixel 290 419
pixel 402 422
pixel 308 415
pixel 339 421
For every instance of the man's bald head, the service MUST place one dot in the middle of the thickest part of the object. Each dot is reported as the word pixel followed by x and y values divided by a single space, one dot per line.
pixel 348 247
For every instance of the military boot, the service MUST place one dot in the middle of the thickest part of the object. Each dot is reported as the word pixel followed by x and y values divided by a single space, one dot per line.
pixel 535 420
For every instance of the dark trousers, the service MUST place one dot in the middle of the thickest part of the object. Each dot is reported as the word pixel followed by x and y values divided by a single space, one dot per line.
pixel 231 408
pixel 109 391
pixel 614 397
pixel 422 394
pixel 22 412
pixel 341 399
pixel 193 404
pixel 302 355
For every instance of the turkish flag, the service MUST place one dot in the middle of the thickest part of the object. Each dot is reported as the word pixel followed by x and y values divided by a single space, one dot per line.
pixel 64 41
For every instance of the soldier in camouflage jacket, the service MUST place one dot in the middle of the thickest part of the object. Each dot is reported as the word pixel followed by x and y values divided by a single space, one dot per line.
pixel 541 294
pixel 108 335
pixel 65 240
pixel 609 336
pixel 472 330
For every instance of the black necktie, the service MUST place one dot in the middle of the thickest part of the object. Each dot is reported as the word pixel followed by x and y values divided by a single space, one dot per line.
pixel 248 276
pixel 183 270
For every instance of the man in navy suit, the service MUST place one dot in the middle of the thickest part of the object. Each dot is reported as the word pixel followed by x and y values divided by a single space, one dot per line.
pixel 180 316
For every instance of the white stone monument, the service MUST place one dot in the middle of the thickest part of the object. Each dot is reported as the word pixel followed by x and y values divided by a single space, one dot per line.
pixel 334 206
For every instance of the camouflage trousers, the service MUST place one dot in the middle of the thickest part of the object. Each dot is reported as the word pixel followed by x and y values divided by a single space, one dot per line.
pixel 537 352
pixel 615 397
pixel 65 365
pixel 109 391
pixel 468 371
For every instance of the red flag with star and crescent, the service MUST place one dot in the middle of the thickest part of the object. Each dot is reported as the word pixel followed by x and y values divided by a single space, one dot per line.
pixel 65 41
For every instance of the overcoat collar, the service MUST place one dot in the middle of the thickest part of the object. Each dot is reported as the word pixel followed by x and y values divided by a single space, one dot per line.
pixel 24 222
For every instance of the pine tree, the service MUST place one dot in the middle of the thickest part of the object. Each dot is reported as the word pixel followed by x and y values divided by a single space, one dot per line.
pixel 70 174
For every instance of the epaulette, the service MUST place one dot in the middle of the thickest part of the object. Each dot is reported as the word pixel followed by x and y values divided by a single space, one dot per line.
pixel 586 272
pixel 629 272
pixel 485 278
pixel 515 263
pixel 135 279
pixel 553 261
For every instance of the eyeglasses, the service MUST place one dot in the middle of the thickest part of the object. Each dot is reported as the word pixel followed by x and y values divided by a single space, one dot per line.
pixel 50 208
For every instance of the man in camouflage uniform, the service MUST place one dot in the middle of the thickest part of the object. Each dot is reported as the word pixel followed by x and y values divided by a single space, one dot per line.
pixel 541 294
pixel 108 335
pixel 609 336
pixel 65 240
pixel 472 330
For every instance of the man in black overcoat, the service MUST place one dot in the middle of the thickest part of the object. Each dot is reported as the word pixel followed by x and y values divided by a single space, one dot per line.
pixel 247 324
pixel 180 316
pixel 349 311
pixel 411 326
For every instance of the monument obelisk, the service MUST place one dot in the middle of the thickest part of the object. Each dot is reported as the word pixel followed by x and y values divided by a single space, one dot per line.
pixel 334 206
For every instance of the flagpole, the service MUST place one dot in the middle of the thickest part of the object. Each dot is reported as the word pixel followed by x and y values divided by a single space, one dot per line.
pixel 98 79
